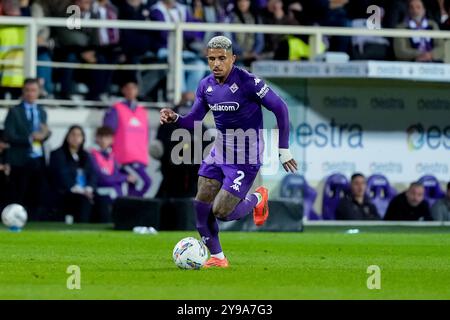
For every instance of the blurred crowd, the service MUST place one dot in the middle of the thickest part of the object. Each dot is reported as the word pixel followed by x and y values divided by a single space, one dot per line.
pixel 114 46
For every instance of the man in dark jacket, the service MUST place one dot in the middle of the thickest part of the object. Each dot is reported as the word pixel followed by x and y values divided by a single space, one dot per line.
pixel 409 205
pixel 26 131
pixel 357 206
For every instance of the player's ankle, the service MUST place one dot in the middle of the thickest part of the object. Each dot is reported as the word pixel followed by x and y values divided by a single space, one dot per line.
pixel 219 255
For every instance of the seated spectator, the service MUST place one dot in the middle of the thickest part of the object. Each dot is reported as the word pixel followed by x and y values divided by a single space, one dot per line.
pixel 12 73
pixel 337 17
pixel 356 205
pixel 72 176
pixel 247 46
pixel 108 46
pixel 209 11
pixel 5 170
pixel 81 46
pixel 110 180
pixel 440 211
pixel 416 48
pixel 171 11
pixel 129 122
pixel 275 15
pixel 409 205
pixel 135 44
pixel 446 8
pixel 296 47
pixel 397 11
pixel 25 10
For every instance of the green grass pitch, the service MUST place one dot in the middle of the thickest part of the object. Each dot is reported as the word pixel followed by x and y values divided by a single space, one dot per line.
pixel 320 263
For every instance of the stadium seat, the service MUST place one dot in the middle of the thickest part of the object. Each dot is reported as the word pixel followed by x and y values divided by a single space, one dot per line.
pixel 433 189
pixel 294 186
pixel 380 192
pixel 336 186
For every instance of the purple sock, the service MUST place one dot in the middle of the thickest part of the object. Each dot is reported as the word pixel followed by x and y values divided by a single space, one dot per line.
pixel 243 208
pixel 207 226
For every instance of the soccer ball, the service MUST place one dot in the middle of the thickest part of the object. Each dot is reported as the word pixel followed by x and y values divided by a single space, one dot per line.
pixel 14 216
pixel 190 253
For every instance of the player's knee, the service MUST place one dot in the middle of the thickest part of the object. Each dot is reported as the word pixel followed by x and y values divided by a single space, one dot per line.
pixel 204 197
pixel 220 213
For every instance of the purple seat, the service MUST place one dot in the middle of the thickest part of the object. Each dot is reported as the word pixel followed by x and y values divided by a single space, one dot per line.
pixel 294 186
pixel 336 187
pixel 380 192
pixel 433 189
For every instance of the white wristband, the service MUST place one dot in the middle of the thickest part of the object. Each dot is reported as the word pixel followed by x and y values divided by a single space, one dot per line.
pixel 178 116
pixel 285 155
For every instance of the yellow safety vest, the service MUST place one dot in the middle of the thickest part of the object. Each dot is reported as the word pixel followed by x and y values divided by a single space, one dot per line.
pixel 298 49
pixel 12 53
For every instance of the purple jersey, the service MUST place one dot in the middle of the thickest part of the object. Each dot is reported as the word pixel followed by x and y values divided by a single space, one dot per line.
pixel 236 106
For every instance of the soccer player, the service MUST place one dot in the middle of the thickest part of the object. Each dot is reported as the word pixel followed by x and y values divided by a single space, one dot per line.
pixel 235 97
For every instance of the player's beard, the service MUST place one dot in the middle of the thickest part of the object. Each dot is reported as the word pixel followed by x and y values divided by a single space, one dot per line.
pixel 219 78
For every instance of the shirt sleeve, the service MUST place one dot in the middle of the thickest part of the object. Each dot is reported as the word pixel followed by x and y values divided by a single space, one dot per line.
pixel 198 111
pixel 264 95
pixel 110 119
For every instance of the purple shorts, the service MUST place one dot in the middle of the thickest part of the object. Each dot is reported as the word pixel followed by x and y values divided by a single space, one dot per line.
pixel 235 178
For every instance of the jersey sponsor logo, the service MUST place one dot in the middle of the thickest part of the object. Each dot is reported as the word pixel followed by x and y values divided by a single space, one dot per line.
pixel 234 87
pixel 224 106
pixel 262 93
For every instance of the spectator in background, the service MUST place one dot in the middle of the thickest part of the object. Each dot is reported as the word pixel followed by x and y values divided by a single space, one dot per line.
pixel 446 7
pixel 12 42
pixel 135 44
pixel 416 48
pixel 129 122
pixel 108 47
pixel 337 17
pixel 25 10
pixel 5 171
pixel 72 176
pixel 247 46
pixel 440 211
pixel 275 15
pixel 397 12
pixel 409 205
pixel 39 9
pixel 209 11
pixel 171 11
pixel 356 205
pixel 296 47
pixel 81 46
pixel 110 180
pixel 26 130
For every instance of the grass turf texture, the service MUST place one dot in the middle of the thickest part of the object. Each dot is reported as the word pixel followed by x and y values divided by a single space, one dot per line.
pixel 320 263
